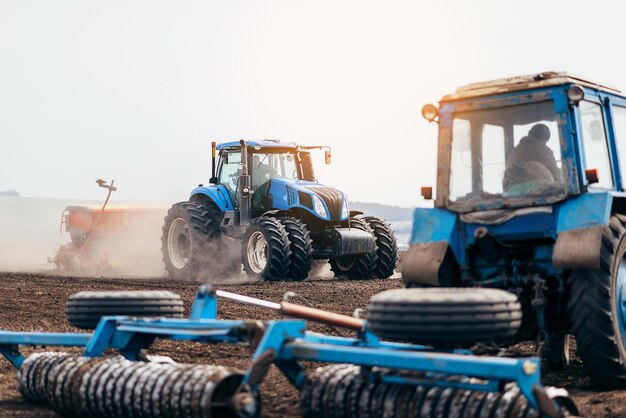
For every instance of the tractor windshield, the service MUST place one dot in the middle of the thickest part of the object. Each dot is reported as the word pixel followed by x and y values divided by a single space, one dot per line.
pixel 266 166
pixel 503 153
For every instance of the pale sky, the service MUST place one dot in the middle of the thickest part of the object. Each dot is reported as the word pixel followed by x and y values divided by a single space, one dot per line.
pixel 136 89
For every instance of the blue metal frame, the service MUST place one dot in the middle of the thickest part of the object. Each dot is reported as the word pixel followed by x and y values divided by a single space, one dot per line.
pixel 291 344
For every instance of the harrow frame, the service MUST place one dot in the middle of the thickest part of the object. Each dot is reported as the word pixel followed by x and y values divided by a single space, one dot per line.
pixel 286 343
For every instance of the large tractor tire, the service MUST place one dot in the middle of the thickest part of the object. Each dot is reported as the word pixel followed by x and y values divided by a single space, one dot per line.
pixel 301 246
pixel 84 309
pixel 266 252
pixel 444 317
pixel 597 318
pixel 355 266
pixel 191 241
pixel 386 247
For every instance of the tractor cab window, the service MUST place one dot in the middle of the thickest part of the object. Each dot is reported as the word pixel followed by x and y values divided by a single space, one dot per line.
pixel 230 172
pixel 507 152
pixel 266 166
pixel 594 143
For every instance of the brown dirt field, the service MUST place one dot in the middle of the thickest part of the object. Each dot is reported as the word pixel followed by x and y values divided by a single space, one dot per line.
pixel 36 302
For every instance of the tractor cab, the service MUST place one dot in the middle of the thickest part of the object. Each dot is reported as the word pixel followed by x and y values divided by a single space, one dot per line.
pixel 530 198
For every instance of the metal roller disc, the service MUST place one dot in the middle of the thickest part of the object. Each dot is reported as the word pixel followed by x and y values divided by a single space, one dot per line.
pixel 365 399
pixel 111 386
pixel 403 402
pixel 216 389
pixel 430 401
pixel 360 381
pixel 328 396
pixel 389 405
pixel 519 408
pixel 72 408
pixel 157 390
pixel 128 400
pixel 42 374
pixel 198 388
pixel 119 388
pixel 167 393
pixel 531 412
pixel 22 376
pixel 474 404
pixel 169 398
pixel 155 379
pixel 377 401
pixel 91 381
pixel 44 383
pixel 30 376
pixel 509 399
pixel 319 385
pixel 178 393
pixel 306 392
pixel 100 388
pixel 58 402
pixel 442 408
pixel 53 383
pixel 78 380
pixel 342 390
pixel 416 400
pixel 489 406
pixel 458 404
pixel 145 378
pixel 187 393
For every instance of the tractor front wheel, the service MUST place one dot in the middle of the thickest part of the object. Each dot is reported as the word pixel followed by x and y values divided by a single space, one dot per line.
pixel 387 247
pixel 266 252
pixel 598 319
pixel 301 246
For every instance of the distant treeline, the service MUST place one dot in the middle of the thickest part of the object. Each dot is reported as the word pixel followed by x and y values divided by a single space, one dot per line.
pixel 13 193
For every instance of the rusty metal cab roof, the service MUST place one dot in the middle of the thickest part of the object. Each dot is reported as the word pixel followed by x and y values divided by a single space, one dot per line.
pixel 525 82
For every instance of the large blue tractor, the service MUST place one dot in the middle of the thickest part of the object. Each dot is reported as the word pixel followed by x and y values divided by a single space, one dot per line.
pixel 530 198
pixel 265 207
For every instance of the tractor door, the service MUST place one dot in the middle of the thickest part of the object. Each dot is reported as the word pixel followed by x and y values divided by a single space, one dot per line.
pixel 229 171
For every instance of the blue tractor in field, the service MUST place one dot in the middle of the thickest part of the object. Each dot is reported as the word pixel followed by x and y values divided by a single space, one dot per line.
pixel 530 198
pixel 265 208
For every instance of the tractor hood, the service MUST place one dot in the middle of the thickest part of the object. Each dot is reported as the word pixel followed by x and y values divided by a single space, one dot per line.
pixel 322 201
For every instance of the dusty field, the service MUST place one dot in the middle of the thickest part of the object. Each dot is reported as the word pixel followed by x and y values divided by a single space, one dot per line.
pixel 36 302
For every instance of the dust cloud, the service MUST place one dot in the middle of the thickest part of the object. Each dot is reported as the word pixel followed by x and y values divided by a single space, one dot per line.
pixel 30 236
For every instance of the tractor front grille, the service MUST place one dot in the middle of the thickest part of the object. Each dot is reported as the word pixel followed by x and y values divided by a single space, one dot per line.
pixel 332 198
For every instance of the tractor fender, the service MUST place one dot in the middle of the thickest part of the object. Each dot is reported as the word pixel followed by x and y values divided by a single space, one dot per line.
pixel 434 233
pixel 580 223
pixel 217 193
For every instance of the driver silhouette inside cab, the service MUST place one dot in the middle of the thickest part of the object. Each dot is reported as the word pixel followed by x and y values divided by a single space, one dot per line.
pixel 261 171
pixel 531 161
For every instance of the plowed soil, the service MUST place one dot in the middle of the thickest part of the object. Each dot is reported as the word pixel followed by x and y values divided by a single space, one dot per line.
pixel 36 302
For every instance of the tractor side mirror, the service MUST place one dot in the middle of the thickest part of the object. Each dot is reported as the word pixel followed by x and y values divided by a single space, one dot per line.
pixel 427 193
pixel 224 156
pixel 327 156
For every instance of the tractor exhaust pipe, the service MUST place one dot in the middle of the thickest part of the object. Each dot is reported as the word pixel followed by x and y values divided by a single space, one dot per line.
pixel 245 201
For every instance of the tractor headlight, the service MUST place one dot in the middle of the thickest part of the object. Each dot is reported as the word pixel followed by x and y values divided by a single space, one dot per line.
pixel 319 206
pixel 345 210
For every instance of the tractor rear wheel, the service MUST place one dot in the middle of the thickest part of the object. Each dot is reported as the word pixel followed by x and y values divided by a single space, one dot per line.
pixel 266 252
pixel 190 241
pixel 355 266
pixel 84 309
pixel 444 317
pixel 301 246
pixel 598 320
pixel 387 247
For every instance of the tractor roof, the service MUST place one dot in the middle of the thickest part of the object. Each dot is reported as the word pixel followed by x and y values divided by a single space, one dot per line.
pixel 525 82
pixel 262 144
